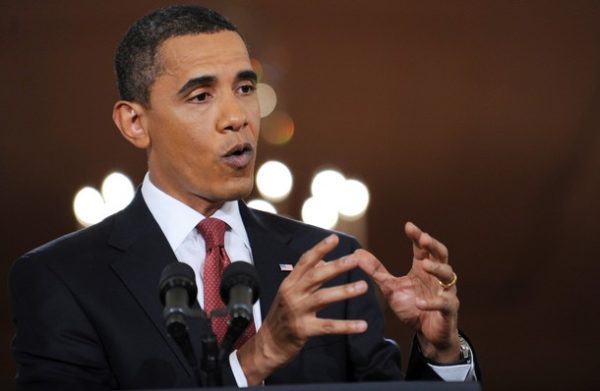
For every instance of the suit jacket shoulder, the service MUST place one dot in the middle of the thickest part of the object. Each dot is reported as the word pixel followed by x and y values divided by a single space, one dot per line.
pixel 87 310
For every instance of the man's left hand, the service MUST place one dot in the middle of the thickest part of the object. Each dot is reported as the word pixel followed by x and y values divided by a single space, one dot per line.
pixel 425 298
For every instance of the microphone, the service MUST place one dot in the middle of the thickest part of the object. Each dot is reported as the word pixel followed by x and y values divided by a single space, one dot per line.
pixel 178 292
pixel 239 290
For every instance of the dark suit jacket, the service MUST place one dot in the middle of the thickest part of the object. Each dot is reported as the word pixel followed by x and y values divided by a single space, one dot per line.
pixel 87 311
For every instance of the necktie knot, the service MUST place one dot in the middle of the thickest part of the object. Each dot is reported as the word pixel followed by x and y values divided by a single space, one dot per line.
pixel 213 232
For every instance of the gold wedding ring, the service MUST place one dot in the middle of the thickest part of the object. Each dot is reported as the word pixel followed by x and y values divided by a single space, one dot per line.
pixel 447 285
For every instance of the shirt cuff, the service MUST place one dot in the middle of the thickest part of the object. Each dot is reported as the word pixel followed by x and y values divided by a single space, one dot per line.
pixel 453 372
pixel 237 370
pixel 459 372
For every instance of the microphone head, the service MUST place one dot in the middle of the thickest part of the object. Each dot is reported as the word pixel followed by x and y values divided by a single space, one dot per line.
pixel 178 274
pixel 239 273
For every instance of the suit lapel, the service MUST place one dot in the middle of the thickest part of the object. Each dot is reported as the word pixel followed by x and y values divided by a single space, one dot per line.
pixel 145 253
pixel 270 248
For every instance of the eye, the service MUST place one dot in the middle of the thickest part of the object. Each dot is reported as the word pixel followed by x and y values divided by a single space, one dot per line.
pixel 247 89
pixel 201 97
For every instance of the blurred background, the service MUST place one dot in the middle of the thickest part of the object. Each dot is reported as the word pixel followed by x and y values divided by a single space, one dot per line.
pixel 478 120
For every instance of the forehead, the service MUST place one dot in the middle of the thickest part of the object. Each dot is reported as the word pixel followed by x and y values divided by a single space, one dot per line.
pixel 187 55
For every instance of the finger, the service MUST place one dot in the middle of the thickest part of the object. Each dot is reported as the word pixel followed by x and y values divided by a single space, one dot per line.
pixel 425 244
pixel 434 247
pixel 414 233
pixel 374 268
pixel 325 271
pixel 324 297
pixel 334 326
pixel 441 271
pixel 445 304
pixel 314 255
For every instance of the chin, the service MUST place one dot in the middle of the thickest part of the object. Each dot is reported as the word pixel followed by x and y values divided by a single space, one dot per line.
pixel 239 190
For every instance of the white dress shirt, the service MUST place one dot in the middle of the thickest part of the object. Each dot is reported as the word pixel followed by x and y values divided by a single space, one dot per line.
pixel 178 223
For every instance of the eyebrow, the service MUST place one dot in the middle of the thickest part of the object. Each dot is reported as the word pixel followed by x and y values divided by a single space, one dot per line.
pixel 197 82
pixel 208 80
pixel 247 75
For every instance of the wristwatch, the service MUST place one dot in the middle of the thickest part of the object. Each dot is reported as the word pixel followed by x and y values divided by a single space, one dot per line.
pixel 465 350
pixel 464 355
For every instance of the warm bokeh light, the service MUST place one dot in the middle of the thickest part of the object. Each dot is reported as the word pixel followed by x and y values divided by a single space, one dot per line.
pixel 354 199
pixel 319 212
pixel 258 68
pixel 277 128
pixel 350 197
pixel 274 180
pixel 117 191
pixel 328 184
pixel 267 99
pixel 88 206
pixel 263 205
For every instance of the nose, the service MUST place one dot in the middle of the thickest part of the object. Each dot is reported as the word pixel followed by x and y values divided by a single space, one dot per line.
pixel 232 114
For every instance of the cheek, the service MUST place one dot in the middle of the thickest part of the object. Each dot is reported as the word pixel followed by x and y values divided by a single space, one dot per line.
pixel 256 130
pixel 196 153
pixel 252 110
pixel 254 125
pixel 185 132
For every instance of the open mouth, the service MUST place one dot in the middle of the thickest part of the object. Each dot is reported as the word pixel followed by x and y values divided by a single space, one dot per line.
pixel 239 150
pixel 239 156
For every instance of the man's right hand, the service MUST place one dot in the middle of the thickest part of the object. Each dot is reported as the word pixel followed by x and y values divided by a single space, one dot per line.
pixel 292 319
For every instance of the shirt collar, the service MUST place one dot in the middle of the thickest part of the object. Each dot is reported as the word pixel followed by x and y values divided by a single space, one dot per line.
pixel 177 220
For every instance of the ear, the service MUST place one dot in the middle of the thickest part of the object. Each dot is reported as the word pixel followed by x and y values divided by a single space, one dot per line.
pixel 128 118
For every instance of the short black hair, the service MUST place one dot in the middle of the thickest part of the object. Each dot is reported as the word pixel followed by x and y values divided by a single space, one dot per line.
pixel 136 65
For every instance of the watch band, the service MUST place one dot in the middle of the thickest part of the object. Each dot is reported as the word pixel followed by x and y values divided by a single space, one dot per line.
pixel 464 354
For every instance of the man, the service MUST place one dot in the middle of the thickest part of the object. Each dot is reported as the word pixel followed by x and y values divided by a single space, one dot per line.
pixel 86 308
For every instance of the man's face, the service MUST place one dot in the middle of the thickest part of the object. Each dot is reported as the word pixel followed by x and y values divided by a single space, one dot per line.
pixel 203 120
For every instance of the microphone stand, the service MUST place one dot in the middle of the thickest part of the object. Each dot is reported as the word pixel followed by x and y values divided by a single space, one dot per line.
pixel 176 288
pixel 177 329
pixel 210 349
pixel 211 355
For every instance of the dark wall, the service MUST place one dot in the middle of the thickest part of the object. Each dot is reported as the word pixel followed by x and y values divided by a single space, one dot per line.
pixel 478 120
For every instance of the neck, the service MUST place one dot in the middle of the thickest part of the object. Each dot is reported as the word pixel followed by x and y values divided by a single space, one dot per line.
pixel 200 204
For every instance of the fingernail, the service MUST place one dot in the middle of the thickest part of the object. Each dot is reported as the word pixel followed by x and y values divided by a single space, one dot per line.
pixel 360 325
pixel 421 302
pixel 357 287
pixel 330 238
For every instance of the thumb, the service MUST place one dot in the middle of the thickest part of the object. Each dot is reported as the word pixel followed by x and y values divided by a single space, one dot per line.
pixel 374 268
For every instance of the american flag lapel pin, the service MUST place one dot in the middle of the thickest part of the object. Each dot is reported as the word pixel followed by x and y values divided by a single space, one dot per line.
pixel 286 267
